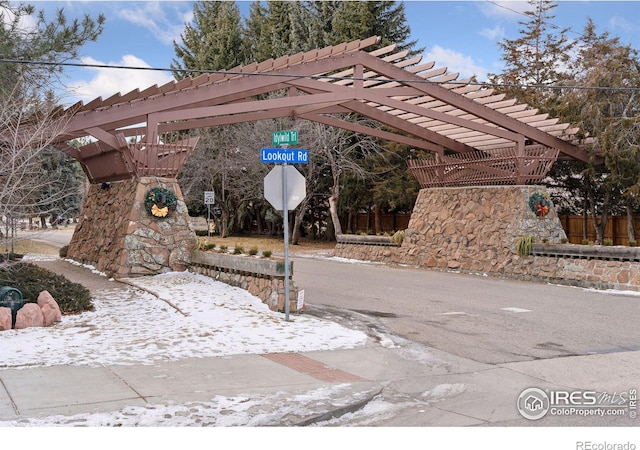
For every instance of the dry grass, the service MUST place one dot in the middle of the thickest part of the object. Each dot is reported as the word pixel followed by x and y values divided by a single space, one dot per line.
pixel 262 243
pixel 23 246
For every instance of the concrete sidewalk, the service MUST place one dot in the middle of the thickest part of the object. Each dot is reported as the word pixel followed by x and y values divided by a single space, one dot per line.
pixel 367 386
pixel 411 392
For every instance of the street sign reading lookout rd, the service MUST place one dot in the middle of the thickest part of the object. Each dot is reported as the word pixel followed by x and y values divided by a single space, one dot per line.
pixel 284 155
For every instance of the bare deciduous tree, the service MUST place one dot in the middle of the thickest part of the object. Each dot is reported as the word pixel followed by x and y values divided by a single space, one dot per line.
pixel 27 128
pixel 337 152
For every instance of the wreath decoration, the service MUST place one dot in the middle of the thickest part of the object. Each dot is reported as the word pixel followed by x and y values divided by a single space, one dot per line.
pixel 539 204
pixel 160 202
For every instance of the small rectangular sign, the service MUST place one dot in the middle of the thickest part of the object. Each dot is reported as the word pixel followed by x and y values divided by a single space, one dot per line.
pixel 300 302
pixel 284 156
pixel 287 137
pixel 209 197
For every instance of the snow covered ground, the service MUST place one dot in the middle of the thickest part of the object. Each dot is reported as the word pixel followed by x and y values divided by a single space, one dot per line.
pixel 205 318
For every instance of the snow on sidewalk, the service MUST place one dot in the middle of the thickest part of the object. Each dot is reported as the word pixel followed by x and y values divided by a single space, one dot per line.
pixel 133 326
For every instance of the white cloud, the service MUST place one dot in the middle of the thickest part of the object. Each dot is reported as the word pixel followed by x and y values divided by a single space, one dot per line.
pixel 621 23
pixel 25 23
pixel 511 10
pixel 107 82
pixel 493 34
pixel 456 62
pixel 164 20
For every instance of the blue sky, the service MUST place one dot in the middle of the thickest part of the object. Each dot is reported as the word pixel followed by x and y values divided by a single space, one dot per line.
pixel 461 35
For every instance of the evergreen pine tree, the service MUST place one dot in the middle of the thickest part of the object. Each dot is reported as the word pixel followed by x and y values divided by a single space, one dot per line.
pixel 212 42
pixel 538 57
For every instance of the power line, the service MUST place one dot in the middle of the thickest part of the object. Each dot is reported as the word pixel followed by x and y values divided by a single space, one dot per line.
pixel 323 77
pixel 520 13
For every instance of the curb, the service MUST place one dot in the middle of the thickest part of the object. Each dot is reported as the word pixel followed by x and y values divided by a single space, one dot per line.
pixel 339 412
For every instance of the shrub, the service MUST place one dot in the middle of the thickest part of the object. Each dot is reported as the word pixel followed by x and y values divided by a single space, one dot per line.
pixel 208 246
pixel 4 257
pixel 238 250
pixel 63 251
pixel 585 242
pixel 205 244
pixel 223 248
pixel 564 240
pixel 608 242
pixel 523 245
pixel 267 253
pixel 253 251
pixel 398 237
pixel 31 280
pixel 633 243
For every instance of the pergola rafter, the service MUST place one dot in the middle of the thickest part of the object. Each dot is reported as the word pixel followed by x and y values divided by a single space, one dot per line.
pixel 420 105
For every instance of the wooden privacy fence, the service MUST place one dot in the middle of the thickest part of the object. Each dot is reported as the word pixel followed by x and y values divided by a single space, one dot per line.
pixel 615 229
pixel 365 222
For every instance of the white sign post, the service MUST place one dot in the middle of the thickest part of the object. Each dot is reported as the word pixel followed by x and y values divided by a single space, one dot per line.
pixel 285 188
pixel 209 199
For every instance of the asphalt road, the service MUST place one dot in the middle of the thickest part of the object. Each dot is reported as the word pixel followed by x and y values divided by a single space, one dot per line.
pixel 485 319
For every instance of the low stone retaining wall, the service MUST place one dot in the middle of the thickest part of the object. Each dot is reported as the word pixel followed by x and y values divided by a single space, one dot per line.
pixel 583 265
pixel 600 270
pixel 575 251
pixel 365 248
pixel 263 278
pixel 591 273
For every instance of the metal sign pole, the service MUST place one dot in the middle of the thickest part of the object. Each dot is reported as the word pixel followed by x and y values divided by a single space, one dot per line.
pixel 283 155
pixel 208 221
pixel 285 211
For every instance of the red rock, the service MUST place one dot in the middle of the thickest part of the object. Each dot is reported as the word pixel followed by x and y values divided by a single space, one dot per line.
pixel 30 315
pixel 5 318
pixel 50 309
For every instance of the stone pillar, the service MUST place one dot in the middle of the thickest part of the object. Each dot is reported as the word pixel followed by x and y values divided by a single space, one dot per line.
pixel 117 235
pixel 475 228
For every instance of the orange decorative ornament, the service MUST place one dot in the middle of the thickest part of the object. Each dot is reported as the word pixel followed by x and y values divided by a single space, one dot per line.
pixel 539 204
pixel 542 209
pixel 159 212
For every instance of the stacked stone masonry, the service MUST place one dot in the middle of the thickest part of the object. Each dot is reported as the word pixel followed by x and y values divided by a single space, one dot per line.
pixel 270 289
pixel 475 230
pixel 117 235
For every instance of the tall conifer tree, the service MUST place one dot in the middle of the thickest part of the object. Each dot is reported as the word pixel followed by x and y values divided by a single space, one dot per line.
pixel 538 57
pixel 212 42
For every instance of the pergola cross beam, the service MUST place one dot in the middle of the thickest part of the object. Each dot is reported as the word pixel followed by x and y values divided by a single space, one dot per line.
pixel 419 104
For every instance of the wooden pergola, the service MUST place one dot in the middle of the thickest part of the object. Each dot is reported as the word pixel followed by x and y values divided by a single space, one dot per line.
pixel 477 137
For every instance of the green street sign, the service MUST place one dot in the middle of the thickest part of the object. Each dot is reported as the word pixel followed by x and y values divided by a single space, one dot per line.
pixel 287 137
